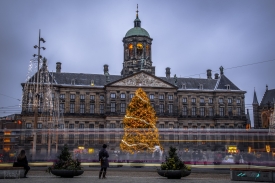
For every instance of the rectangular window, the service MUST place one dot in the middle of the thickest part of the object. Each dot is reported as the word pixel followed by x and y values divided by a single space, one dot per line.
pixel 62 96
pixel 184 100
pixel 238 101
pixel 221 100
pixel 50 125
pixel 53 95
pixel 171 126
pixel 62 107
pixel 202 100
pixel 91 138
pixel 81 126
pixel 171 139
pixel 221 111
pixel 81 138
pixel 170 108
pixel 71 126
pixel 28 125
pixel 92 97
pixel 193 100
pixel 91 126
pixel 113 95
pixel 101 97
pixel 202 111
pixel 229 100
pixel 195 138
pixel 60 138
pixel 161 97
pixel 161 125
pixel 210 100
pixel 184 111
pixel 238 111
pixel 211 111
pixel 112 125
pixel 230 111
pixel 82 108
pixel 72 96
pixel 122 95
pixel 161 108
pixel 61 126
pixel 170 97
pixel 101 108
pixel 113 107
pixel 112 138
pixel 122 107
pixel 151 96
pixel 193 111
pixel 132 95
pixel 82 97
pixel 71 107
pixel 71 138
pixel 92 108
pixel 39 125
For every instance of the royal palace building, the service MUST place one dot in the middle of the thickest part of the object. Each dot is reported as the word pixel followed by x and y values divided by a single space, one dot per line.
pixel 95 102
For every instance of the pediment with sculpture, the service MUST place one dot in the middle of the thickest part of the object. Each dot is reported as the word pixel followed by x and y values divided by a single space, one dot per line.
pixel 142 79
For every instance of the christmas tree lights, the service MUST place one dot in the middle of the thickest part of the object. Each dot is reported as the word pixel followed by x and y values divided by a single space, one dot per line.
pixel 140 131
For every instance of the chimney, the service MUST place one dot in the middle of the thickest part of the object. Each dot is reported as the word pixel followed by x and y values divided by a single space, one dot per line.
pixel 209 74
pixel 58 67
pixel 167 72
pixel 106 69
pixel 216 76
pixel 266 87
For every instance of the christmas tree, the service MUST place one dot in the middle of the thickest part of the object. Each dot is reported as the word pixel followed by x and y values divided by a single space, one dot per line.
pixel 140 131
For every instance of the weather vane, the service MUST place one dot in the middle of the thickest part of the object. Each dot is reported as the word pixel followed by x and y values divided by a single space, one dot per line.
pixel 137 10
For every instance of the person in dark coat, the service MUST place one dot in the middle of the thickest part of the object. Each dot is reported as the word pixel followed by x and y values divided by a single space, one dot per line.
pixel 23 162
pixel 104 163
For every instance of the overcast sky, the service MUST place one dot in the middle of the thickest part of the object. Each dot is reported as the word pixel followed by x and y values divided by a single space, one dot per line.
pixel 189 36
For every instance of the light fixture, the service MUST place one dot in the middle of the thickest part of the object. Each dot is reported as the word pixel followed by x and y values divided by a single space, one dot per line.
pixel 35 46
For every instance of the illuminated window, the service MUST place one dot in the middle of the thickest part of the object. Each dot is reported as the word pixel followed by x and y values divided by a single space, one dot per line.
pixel 131 50
pixel 139 49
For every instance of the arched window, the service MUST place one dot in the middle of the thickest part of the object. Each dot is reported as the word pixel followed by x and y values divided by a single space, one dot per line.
pixel 131 50
pixel 148 51
pixel 139 49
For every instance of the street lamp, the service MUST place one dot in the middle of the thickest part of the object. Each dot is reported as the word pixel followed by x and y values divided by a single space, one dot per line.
pixel 37 93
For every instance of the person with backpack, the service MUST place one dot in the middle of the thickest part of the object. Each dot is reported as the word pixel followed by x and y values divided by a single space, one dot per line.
pixel 104 163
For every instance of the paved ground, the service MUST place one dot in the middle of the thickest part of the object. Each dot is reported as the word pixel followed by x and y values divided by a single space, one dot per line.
pixel 129 175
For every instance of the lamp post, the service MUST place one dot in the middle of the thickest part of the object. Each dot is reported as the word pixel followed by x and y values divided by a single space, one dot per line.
pixel 36 102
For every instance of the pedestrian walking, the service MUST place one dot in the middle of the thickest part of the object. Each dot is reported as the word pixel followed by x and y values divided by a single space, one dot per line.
pixel 104 163
pixel 22 162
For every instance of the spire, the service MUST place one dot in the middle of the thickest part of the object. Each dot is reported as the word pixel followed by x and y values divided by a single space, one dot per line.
pixel 255 100
pixel 137 11
pixel 137 21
